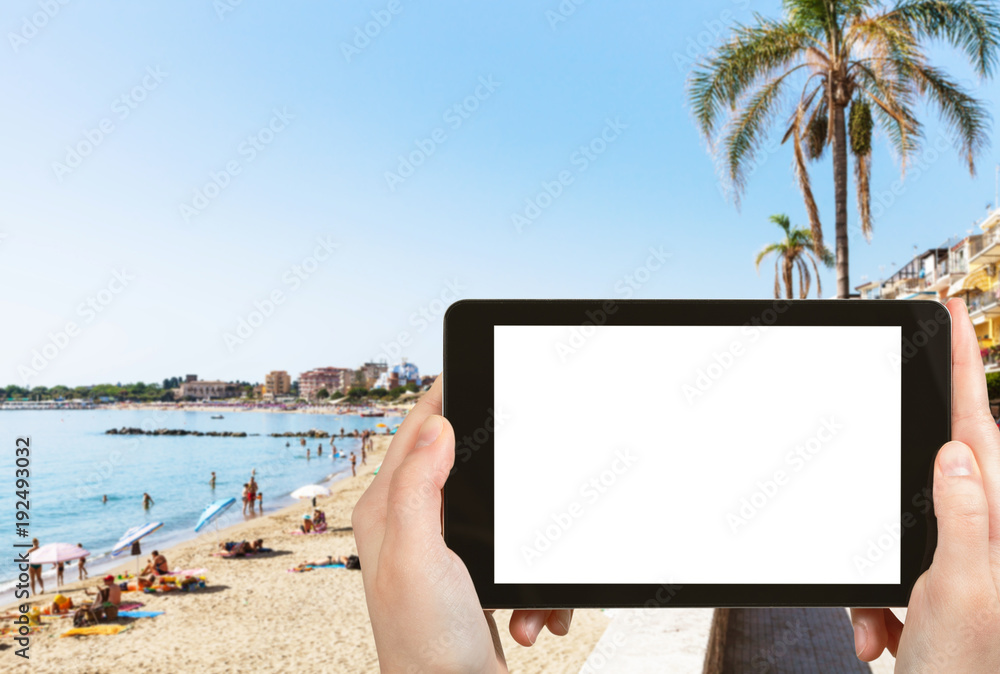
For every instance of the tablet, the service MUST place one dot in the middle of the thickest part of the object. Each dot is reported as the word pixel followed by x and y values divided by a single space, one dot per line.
pixel 694 453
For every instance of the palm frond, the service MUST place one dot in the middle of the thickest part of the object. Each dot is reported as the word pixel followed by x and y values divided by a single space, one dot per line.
pixel 753 54
pixel 805 186
pixel 748 132
pixel 970 25
pixel 965 116
pixel 767 250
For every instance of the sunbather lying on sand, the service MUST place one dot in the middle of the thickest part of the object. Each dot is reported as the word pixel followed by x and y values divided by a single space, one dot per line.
pixel 349 561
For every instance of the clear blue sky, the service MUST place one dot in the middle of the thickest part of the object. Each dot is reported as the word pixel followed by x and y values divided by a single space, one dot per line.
pixel 401 248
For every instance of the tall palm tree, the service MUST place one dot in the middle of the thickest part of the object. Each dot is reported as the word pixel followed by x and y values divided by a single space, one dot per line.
pixel 861 65
pixel 794 252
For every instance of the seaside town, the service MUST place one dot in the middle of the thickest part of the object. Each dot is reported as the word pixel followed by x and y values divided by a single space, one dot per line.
pixel 321 389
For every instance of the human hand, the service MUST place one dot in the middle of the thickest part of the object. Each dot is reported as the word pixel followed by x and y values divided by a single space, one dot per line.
pixel 953 619
pixel 423 606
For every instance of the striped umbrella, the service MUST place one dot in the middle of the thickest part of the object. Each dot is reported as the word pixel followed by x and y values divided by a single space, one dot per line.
pixel 134 534
pixel 213 511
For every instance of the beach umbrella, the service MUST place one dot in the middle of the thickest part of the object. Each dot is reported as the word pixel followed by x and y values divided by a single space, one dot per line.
pixel 213 511
pixel 132 536
pixel 310 491
pixel 53 553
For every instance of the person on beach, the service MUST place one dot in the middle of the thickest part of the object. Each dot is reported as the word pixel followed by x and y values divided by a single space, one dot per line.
pixel 211 482
pixel 246 496
pixel 364 455
pixel 157 566
pixel 147 501
pixel 302 441
pixel 61 604
pixel 354 461
pixel 307 525
pixel 308 453
pixel 35 570
pixel 288 444
pixel 953 615
pixel 252 492
pixel 107 600
pixel 260 502
pixel 319 450
pixel 105 499
pixel 349 562
pixel 81 565
pixel 59 567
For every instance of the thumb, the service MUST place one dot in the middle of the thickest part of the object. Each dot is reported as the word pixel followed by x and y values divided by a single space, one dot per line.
pixel 413 519
pixel 962 514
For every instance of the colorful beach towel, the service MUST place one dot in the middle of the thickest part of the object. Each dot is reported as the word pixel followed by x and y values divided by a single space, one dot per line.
pixel 310 568
pixel 130 605
pixel 139 614
pixel 94 629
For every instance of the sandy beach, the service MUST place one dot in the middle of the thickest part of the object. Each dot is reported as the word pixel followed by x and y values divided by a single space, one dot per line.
pixel 254 615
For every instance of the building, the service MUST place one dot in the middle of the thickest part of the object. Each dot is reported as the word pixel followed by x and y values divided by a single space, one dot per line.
pixel 371 372
pixel 870 291
pixel 333 379
pixel 277 383
pixel 200 390
pixel 398 375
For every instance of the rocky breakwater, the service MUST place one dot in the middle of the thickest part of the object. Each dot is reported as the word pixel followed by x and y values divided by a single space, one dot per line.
pixel 311 433
pixel 175 431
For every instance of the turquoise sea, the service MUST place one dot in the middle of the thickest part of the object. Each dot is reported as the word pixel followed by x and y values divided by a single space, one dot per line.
pixel 74 464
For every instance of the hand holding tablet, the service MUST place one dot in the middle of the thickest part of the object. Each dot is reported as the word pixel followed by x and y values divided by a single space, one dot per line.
pixel 425 609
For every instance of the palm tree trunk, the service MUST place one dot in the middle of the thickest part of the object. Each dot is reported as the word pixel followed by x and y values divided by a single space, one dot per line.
pixel 840 198
pixel 788 279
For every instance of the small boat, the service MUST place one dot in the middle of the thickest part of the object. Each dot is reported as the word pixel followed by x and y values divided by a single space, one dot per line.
pixel 217 416
pixel 372 413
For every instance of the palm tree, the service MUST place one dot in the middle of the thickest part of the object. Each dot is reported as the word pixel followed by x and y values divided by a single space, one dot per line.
pixel 859 54
pixel 793 253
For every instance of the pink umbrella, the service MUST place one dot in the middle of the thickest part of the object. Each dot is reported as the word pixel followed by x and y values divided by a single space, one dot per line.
pixel 53 553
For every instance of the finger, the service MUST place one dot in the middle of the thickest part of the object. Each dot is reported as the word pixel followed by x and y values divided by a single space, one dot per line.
pixel 526 625
pixel 962 554
pixel 870 633
pixel 895 629
pixel 558 622
pixel 972 422
pixel 413 517
pixel 368 518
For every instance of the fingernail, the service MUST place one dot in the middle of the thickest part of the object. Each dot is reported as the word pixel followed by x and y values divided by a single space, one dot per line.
pixel 429 432
pixel 956 460
pixel 563 620
pixel 860 639
pixel 533 625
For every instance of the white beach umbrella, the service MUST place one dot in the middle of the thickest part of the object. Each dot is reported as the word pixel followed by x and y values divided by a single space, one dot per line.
pixel 310 491
pixel 133 535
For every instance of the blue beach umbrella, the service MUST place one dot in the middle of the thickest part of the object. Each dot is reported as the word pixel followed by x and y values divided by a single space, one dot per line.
pixel 213 511
pixel 133 535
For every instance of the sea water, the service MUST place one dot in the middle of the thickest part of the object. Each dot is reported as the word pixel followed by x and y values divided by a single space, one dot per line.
pixel 74 464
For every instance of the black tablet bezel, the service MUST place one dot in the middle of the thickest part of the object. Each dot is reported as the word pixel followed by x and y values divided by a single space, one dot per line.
pixel 468 404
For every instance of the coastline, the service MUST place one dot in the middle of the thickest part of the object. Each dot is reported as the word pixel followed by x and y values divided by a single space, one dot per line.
pixel 253 614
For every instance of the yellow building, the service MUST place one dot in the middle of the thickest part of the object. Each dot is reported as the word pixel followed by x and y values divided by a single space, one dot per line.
pixel 277 383
pixel 981 287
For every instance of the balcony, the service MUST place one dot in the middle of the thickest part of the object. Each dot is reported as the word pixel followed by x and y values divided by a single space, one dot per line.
pixel 985 250
pixel 991 359
pixel 984 306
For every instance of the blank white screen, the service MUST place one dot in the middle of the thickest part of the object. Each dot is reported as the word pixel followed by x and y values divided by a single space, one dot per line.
pixel 688 446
